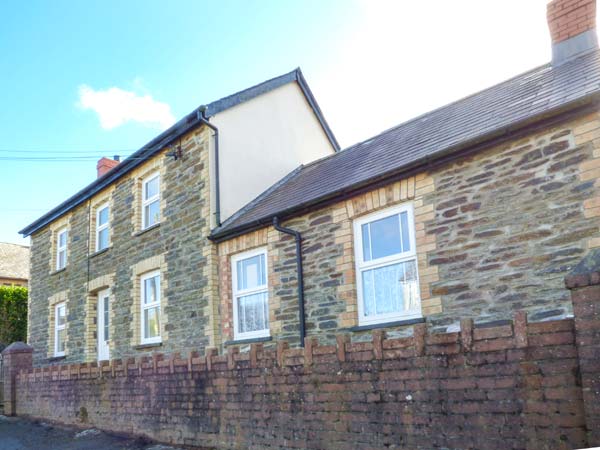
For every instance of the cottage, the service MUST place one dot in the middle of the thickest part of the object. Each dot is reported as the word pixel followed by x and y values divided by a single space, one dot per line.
pixel 245 223
pixel 14 264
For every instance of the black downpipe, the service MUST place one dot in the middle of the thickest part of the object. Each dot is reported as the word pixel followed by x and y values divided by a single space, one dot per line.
pixel 298 238
pixel 201 114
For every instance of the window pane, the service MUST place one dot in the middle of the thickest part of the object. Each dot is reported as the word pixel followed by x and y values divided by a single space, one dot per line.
pixel 60 316
pixel 251 272
pixel 151 188
pixel 62 239
pixel 385 237
pixel 62 259
pixel 103 216
pixel 390 289
pixel 103 239
pixel 366 242
pixel 253 313
pixel 404 229
pixel 151 322
pixel 151 290
pixel 60 341
pixel 151 214
pixel 106 317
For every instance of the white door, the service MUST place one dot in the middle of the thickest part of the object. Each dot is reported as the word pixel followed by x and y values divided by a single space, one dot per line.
pixel 103 324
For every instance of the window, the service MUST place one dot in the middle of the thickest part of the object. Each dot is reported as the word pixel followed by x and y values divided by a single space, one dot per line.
pixel 250 295
pixel 102 232
pixel 386 263
pixel 61 248
pixel 151 201
pixel 60 323
pixel 151 308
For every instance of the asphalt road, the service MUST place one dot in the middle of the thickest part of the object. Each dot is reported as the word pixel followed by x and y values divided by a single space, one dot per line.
pixel 19 434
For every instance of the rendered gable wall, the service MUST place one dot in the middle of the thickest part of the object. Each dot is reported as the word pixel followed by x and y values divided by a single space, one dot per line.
pixel 262 140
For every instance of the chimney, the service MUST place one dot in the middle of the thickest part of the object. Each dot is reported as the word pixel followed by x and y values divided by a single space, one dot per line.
pixel 572 26
pixel 105 165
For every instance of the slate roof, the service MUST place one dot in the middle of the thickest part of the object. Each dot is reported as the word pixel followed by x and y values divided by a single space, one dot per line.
pixel 14 261
pixel 541 92
pixel 183 126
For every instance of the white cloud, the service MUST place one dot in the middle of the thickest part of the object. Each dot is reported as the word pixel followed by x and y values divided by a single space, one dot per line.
pixel 115 107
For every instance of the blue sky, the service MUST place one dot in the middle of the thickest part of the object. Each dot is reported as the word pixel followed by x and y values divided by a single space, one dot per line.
pixel 371 64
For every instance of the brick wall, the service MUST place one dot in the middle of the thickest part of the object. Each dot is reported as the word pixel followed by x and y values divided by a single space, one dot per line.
pixel 512 386
pixel 568 18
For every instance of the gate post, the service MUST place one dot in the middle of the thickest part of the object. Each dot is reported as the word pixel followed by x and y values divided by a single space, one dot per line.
pixel 584 283
pixel 16 357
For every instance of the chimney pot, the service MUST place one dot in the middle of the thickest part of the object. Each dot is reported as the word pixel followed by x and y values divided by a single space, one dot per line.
pixel 105 165
pixel 572 27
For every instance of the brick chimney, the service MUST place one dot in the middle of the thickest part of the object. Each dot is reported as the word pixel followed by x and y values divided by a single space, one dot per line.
pixel 572 26
pixel 105 165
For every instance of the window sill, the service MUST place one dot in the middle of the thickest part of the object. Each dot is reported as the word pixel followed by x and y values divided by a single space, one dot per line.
pixel 58 271
pixel 397 323
pixel 145 230
pixel 249 340
pixel 147 346
pixel 99 252
pixel 57 358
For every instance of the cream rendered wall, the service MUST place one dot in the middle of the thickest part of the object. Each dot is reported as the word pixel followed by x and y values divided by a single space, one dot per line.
pixel 261 141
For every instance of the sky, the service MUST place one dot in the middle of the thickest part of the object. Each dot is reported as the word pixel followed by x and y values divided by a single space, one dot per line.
pixel 81 80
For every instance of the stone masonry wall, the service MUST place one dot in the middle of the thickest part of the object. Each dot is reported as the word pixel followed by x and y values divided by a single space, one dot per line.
pixel 496 232
pixel 506 387
pixel 178 245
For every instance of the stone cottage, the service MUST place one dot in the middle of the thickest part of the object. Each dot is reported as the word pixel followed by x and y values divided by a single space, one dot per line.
pixel 245 223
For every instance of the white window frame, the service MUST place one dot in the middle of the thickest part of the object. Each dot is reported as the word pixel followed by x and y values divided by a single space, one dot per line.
pixel 241 293
pixel 362 265
pixel 58 328
pixel 60 249
pixel 148 201
pixel 100 228
pixel 145 306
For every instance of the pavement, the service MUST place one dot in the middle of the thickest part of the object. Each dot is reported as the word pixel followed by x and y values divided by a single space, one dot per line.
pixel 21 434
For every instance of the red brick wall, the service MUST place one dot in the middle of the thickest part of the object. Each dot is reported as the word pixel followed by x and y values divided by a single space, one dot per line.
pixel 512 386
pixel 568 18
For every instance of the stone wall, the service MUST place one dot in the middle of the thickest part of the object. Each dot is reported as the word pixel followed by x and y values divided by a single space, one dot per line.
pixel 178 245
pixel 514 386
pixel 496 232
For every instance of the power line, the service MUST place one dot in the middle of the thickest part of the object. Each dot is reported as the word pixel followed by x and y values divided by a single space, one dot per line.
pixel 95 151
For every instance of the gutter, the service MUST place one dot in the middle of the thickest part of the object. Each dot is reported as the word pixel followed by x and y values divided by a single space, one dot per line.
pixel 429 162
pixel 298 239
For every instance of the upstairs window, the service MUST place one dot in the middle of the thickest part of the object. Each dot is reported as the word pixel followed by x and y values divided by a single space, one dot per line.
pixel 386 263
pixel 61 248
pixel 151 201
pixel 250 295
pixel 102 227
pixel 60 325
pixel 150 308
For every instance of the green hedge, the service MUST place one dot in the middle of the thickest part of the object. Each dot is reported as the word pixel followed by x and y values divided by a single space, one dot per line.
pixel 13 314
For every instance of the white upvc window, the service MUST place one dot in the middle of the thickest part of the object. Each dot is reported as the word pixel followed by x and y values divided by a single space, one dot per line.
pixel 60 331
pixel 386 266
pixel 151 201
pixel 62 236
pixel 250 294
pixel 150 307
pixel 102 227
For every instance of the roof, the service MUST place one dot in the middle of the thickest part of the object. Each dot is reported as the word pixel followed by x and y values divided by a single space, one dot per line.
pixel 183 126
pixel 443 133
pixel 14 261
